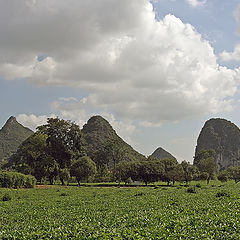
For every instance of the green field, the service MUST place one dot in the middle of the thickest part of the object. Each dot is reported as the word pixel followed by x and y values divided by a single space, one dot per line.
pixel 121 213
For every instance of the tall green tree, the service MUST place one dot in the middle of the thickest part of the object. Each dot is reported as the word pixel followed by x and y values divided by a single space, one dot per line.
pixel 32 157
pixel 176 173
pixel 151 171
pixel 169 164
pixel 83 169
pixel 190 171
pixel 206 163
pixel 234 173
pixel 65 141
pixel 51 150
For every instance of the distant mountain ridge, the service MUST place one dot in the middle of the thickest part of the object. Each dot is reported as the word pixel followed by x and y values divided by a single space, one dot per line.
pixel 12 135
pixel 224 137
pixel 161 153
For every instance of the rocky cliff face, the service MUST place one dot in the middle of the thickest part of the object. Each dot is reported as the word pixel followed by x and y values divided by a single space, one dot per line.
pixel 224 137
pixel 11 136
pixel 160 153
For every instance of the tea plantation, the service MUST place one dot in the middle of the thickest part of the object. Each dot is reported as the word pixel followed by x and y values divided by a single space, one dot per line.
pixel 212 212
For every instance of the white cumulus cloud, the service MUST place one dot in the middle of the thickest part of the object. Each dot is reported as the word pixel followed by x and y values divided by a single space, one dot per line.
pixel 129 63
pixel 79 112
pixel 231 56
pixel 196 3
pixel 32 121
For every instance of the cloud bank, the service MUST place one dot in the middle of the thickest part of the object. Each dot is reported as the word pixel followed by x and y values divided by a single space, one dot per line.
pixel 139 68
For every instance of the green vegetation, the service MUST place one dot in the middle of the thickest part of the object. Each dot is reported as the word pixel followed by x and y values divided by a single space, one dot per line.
pixel 121 213
pixel 83 169
pixel 16 180
pixel 176 208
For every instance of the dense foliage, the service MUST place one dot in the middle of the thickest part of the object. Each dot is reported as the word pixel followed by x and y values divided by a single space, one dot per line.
pixel 50 152
pixel 122 213
pixel 16 180
pixel 83 169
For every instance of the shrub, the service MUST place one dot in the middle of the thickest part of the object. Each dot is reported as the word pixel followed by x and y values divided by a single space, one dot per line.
pixel 139 194
pixel 222 194
pixel 63 194
pixel 129 181
pixel 198 185
pixel 16 180
pixel 6 197
pixel 191 190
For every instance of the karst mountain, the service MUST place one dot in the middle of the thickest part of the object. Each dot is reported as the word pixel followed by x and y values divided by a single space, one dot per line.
pixel 161 153
pixel 224 137
pixel 12 135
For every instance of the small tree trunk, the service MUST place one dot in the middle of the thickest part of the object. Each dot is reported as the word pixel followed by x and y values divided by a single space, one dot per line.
pixel 51 180
pixel 208 180
pixel 62 181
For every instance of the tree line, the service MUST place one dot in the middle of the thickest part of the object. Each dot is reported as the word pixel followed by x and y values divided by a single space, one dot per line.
pixel 57 150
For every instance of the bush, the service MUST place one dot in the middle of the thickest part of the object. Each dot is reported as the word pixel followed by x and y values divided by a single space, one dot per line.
pixel 191 190
pixel 222 194
pixel 223 176
pixel 198 185
pixel 63 194
pixel 16 180
pixel 6 197
pixel 129 181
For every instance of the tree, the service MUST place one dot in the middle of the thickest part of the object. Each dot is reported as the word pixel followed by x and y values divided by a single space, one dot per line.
pixel 176 173
pixel 65 141
pixel 123 171
pixel 223 176
pixel 101 159
pixel 114 153
pixel 83 169
pixel 64 175
pixel 190 171
pixel 151 171
pixel 169 164
pixel 234 173
pixel 32 157
pixel 203 176
pixel 206 163
pixel 50 151
pixel 204 154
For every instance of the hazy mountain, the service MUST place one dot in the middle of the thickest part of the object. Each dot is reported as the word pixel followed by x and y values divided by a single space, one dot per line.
pixel 224 137
pixel 101 137
pixel 161 153
pixel 12 135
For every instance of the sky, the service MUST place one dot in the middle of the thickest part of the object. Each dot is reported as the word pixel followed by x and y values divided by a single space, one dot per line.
pixel 156 70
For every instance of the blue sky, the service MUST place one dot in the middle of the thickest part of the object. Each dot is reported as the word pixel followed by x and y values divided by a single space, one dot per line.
pixel 151 68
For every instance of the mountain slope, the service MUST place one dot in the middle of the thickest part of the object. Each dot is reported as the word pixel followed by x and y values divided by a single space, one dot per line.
pixel 101 137
pixel 12 135
pixel 224 137
pixel 161 153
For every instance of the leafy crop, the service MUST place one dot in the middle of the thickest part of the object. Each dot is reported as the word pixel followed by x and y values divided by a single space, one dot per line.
pixel 120 213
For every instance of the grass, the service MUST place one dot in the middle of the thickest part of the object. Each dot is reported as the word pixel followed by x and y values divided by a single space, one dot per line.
pixel 121 213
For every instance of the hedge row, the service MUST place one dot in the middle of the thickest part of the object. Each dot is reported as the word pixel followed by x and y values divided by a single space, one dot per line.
pixel 16 180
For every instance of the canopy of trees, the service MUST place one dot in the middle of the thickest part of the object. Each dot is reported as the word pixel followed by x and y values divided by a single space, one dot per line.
pixel 50 151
